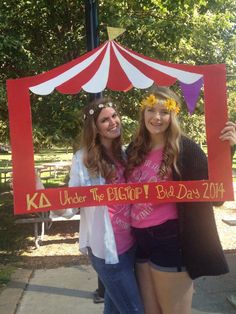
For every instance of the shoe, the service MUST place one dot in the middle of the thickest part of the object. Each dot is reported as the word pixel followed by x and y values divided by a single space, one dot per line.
pixel 97 298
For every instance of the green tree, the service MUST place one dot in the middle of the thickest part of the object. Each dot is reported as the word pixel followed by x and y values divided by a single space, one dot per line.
pixel 38 35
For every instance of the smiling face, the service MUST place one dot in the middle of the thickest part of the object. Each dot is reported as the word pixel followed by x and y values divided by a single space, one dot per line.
pixel 108 125
pixel 157 119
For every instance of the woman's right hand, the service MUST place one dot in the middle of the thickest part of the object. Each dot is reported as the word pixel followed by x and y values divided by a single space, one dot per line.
pixel 229 133
pixel 59 212
pixel 66 213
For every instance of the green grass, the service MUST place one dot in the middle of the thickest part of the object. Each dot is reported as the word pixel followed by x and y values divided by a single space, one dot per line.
pixel 5 274
pixel 13 238
pixel 45 156
pixel 52 155
pixel 5 160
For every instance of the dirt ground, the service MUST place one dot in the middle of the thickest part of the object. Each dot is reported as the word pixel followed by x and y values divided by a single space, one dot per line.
pixel 60 244
pixel 58 248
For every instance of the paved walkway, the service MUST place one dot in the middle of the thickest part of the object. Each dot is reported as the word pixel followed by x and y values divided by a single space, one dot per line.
pixel 69 290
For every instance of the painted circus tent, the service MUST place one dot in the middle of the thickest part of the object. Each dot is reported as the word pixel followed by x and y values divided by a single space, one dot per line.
pixel 118 68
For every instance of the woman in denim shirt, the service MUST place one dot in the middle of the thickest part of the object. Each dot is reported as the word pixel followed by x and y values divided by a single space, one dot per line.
pixel 105 233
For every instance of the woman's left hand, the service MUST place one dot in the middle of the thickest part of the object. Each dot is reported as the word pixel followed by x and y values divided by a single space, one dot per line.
pixel 229 133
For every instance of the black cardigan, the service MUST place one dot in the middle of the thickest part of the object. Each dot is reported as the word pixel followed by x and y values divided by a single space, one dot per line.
pixel 201 249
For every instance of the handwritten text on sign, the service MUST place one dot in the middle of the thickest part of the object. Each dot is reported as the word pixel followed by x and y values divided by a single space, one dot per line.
pixel 126 193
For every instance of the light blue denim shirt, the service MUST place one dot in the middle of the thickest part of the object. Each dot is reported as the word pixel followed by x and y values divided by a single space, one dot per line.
pixel 95 226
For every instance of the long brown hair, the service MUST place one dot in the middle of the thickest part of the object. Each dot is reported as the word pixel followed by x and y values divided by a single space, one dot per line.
pixel 141 145
pixel 96 158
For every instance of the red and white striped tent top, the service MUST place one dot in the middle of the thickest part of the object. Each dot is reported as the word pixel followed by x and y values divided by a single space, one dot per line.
pixel 117 68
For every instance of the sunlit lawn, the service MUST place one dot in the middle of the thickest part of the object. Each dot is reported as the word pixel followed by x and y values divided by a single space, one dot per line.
pixel 14 238
pixel 44 157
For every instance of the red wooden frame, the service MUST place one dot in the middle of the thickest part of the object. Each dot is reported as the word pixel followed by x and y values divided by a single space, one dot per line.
pixel 28 199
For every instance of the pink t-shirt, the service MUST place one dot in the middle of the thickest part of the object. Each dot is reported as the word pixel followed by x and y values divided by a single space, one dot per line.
pixel 120 217
pixel 147 214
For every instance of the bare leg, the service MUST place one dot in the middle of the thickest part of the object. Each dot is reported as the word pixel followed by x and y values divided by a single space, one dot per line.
pixel 174 291
pixel 146 287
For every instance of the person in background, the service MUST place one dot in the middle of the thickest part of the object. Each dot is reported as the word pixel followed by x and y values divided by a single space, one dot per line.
pixel 105 232
pixel 99 293
pixel 176 242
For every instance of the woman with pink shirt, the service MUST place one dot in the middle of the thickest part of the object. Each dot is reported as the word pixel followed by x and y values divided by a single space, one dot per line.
pixel 105 231
pixel 176 242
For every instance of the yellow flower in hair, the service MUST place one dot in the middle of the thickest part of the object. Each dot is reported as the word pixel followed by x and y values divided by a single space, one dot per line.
pixel 172 105
pixel 149 101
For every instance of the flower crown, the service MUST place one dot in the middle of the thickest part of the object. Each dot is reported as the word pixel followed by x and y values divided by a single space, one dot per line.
pixel 98 106
pixel 169 103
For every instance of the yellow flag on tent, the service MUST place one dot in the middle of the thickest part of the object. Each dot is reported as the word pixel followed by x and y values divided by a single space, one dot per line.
pixel 114 32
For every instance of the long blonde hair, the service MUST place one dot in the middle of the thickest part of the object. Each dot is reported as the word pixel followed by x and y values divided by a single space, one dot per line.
pixel 141 145
pixel 96 158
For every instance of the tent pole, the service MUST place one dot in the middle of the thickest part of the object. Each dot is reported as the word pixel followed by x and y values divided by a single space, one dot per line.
pixel 92 32
pixel 91 22
pixel 92 36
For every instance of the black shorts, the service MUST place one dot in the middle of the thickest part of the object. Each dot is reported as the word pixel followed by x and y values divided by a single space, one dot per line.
pixel 160 247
